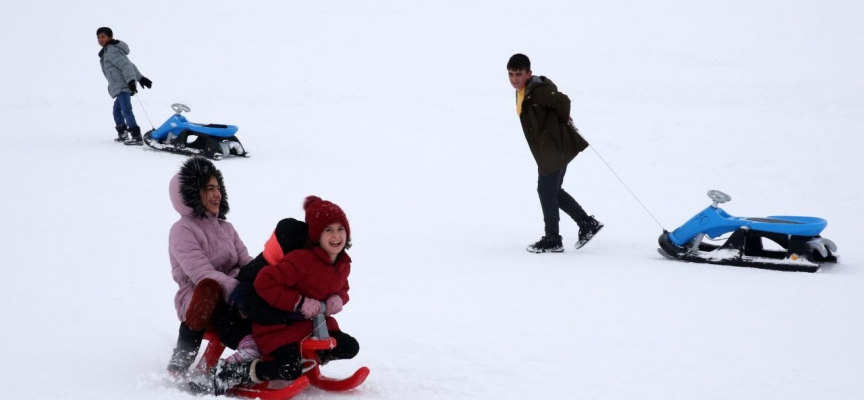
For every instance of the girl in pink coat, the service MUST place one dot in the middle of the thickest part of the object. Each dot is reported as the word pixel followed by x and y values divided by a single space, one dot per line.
pixel 206 254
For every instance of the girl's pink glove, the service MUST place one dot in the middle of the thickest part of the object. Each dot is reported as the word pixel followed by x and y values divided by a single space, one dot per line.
pixel 334 304
pixel 310 307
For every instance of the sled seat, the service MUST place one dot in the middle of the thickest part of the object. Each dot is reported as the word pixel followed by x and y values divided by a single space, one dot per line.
pixel 217 130
pixel 715 222
pixel 177 124
pixel 787 225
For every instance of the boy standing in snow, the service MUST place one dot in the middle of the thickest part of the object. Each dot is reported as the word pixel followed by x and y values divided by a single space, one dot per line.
pixel 121 75
pixel 554 141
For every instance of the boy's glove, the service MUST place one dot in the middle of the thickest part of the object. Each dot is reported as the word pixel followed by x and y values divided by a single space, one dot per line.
pixel 132 87
pixel 334 305
pixel 145 82
pixel 309 307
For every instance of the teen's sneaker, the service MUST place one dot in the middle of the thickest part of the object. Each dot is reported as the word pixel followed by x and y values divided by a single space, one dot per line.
pixel 547 244
pixel 588 228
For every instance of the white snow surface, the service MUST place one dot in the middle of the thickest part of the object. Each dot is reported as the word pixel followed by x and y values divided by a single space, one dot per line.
pixel 401 112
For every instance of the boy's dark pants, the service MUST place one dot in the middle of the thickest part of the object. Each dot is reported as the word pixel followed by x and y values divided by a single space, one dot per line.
pixel 553 197
pixel 288 364
pixel 123 110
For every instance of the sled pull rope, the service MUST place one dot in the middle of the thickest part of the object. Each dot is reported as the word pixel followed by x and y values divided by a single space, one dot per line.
pixel 145 111
pixel 628 188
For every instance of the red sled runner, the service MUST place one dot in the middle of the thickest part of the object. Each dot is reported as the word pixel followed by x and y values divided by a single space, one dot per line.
pixel 281 390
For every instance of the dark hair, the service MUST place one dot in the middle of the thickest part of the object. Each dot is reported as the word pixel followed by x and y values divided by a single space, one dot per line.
pixel 106 30
pixel 519 62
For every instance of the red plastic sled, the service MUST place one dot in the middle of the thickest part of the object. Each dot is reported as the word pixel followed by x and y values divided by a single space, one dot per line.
pixel 308 348
pixel 272 390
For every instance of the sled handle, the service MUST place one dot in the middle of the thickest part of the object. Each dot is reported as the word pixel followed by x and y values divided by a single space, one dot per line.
pixel 319 322
pixel 179 108
pixel 718 197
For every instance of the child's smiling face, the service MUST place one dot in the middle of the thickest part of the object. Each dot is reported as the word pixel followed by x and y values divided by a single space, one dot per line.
pixel 211 196
pixel 333 239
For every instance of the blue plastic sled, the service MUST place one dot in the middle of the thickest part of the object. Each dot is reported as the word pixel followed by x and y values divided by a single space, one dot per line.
pixel 178 135
pixel 803 249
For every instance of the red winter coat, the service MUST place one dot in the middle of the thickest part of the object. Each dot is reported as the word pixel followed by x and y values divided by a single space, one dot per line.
pixel 302 272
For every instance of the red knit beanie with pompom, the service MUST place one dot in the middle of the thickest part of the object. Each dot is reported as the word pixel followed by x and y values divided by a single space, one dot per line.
pixel 320 214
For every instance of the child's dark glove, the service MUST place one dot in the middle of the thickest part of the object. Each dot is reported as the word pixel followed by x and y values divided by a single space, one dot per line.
pixel 146 82
pixel 132 87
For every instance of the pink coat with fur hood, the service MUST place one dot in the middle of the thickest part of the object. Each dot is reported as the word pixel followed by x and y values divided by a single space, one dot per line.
pixel 201 248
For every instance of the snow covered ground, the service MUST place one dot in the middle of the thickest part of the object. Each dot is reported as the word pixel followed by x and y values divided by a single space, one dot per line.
pixel 401 113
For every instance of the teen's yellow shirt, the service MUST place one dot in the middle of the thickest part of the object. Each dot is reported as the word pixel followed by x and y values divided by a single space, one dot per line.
pixel 520 95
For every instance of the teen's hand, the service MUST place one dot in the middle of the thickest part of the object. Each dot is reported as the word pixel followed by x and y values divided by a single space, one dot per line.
pixel 334 305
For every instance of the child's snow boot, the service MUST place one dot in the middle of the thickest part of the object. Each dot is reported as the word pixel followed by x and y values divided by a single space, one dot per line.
pixel 188 343
pixel 228 375
pixel 136 139
pixel 122 133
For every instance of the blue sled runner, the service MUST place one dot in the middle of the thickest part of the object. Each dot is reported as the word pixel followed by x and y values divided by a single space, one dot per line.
pixel 178 135
pixel 798 244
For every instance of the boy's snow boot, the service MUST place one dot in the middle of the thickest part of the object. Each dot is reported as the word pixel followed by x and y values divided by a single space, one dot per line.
pixel 547 244
pixel 587 229
pixel 228 375
pixel 122 133
pixel 135 140
pixel 206 296
pixel 188 343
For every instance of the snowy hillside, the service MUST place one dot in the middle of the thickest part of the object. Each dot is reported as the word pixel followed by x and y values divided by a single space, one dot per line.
pixel 401 113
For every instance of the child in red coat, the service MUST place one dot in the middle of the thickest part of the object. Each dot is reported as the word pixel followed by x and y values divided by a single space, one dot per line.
pixel 299 282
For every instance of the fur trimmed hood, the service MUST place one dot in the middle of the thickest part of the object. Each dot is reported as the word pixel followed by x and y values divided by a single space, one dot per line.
pixel 185 188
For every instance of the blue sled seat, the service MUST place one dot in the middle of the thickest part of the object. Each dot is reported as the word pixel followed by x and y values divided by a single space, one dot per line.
pixel 178 123
pixel 788 224
pixel 715 222
pixel 218 130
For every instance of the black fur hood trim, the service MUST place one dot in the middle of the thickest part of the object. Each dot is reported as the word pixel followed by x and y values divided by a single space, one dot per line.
pixel 194 174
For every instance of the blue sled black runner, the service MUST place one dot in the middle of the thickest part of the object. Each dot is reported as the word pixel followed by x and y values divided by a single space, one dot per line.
pixel 798 244
pixel 178 135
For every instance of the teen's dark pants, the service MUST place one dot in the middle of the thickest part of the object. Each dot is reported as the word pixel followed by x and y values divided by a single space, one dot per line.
pixel 553 197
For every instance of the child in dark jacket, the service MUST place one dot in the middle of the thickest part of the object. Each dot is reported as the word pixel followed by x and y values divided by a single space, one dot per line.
pixel 297 283
pixel 290 234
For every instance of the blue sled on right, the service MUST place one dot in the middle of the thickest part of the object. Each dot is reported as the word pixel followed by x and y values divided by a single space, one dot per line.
pixel 802 249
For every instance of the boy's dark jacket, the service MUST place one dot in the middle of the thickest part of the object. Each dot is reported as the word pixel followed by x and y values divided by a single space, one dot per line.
pixel 545 118
pixel 293 235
